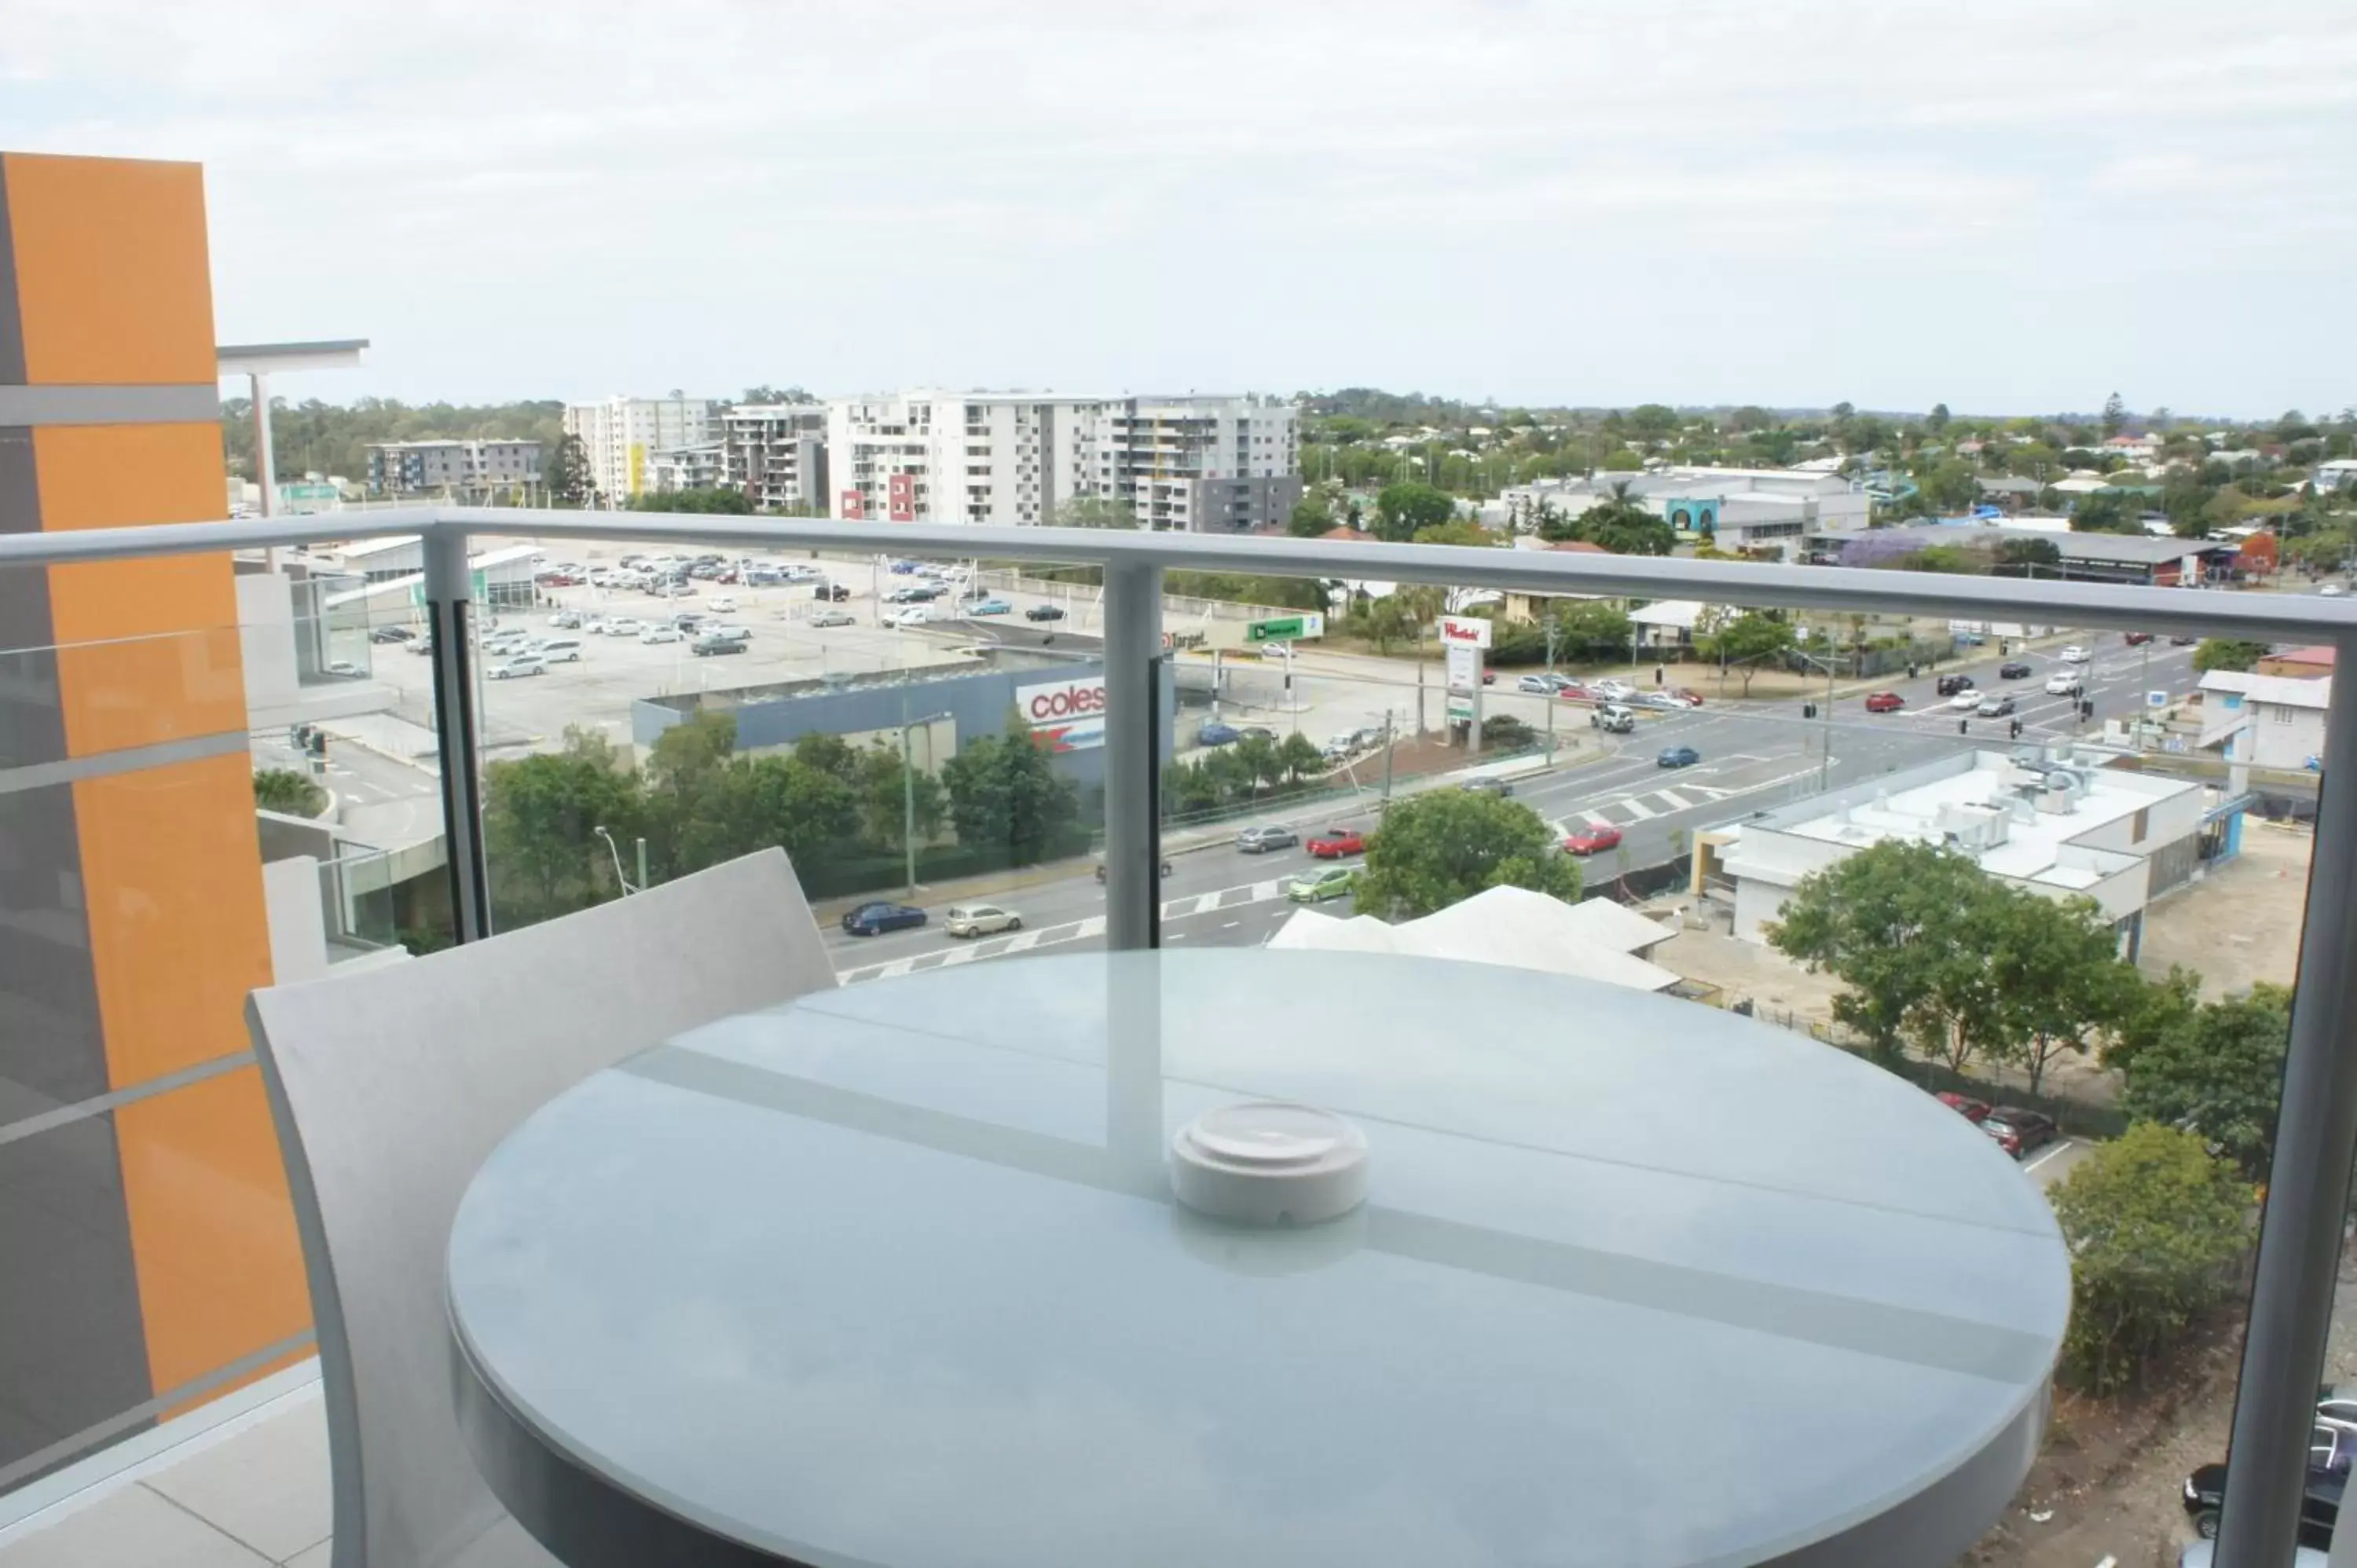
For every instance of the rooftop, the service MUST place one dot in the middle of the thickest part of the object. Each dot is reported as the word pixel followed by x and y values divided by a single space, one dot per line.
pixel 2279 690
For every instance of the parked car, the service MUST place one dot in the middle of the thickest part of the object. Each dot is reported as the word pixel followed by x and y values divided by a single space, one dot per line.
pixel 2073 654
pixel 1613 719
pixel 1592 840
pixel 1964 1105
pixel 2018 1131
pixel 1100 870
pixel 831 617
pixel 1044 612
pixel 345 669
pixel 2202 1555
pixel 2064 683
pixel 1995 705
pixel 569 619
pixel 1949 686
pixel 1335 842
pixel 834 593
pixel 1883 703
pixel 1678 756
pixel 662 634
pixel 708 646
pixel 724 605
pixel 521 664
pixel 906 594
pixel 422 645
pixel 990 607
pixel 389 634
pixel 1266 836
pixel 1488 784
pixel 2135 638
pixel 1217 734
pixel 2319 1505
pixel 621 626
pixel 560 650
pixel 1317 887
pixel 980 920
pixel 2183 641
pixel 868 919
pixel 909 614
pixel 1543 685
pixel 1964 700
pixel 2013 670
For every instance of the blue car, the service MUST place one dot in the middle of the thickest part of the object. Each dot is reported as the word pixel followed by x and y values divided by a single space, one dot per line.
pixel 1217 734
pixel 1678 756
pixel 990 607
pixel 869 920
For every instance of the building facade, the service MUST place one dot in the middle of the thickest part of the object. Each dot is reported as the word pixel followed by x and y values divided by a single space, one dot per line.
pixel 1193 463
pixel 776 453
pixel 700 468
pixel 2266 721
pixel 1762 511
pixel 443 468
pixel 620 435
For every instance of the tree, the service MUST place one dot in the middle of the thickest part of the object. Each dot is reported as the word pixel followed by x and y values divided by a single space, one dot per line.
pixel 284 791
pixel 2216 1070
pixel 892 796
pixel 1443 846
pixel 540 813
pixel 1385 621
pixel 2017 556
pixel 1093 511
pixel 1620 460
pixel 1003 789
pixel 1300 756
pixel 2054 966
pixel 720 500
pixel 2116 416
pixel 2104 512
pixel 1621 524
pixel 567 473
pixel 1587 627
pixel 1936 422
pixel 1401 509
pixel 2155 1227
pixel 1883 921
pixel 1745 642
pixel 1456 531
pixel 2226 653
pixel 696 814
pixel 1310 519
pixel 1950 486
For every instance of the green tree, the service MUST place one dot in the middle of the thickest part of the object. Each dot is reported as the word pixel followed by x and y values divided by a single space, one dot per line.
pixel 2227 653
pixel 539 817
pixel 1443 846
pixel 1310 517
pixel 1622 525
pixel 1401 509
pixel 1745 642
pixel 1300 756
pixel 1093 511
pixel 1620 460
pixel 1003 789
pixel 2019 555
pixel 287 793
pixel 2155 1227
pixel 1950 486
pixel 1936 422
pixel 2055 969
pixel 1589 627
pixel 567 474
pixel 1386 622
pixel 809 812
pixel 891 795
pixel 1884 921
pixel 1456 531
pixel 2104 511
pixel 695 813
pixel 2216 1070
pixel 2116 415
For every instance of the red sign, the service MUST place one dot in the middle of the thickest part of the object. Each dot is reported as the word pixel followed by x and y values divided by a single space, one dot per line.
pixel 901 493
pixel 854 510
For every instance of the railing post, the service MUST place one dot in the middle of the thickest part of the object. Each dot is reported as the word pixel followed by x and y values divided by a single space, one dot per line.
pixel 1132 653
pixel 450 609
pixel 2307 1186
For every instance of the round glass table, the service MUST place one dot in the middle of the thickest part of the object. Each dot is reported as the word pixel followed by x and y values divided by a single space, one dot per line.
pixel 891 1276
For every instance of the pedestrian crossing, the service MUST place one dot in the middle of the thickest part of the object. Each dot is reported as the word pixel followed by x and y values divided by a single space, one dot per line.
pixel 1235 898
pixel 1644 805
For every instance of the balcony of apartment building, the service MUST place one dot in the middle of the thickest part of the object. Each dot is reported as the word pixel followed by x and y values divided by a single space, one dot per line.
pixel 684 1199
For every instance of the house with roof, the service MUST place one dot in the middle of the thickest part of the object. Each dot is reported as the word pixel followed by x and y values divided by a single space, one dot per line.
pixel 2265 721
pixel 2314 662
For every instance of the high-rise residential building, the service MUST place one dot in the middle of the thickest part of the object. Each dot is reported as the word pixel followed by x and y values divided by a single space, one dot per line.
pixel 414 468
pixel 776 453
pixel 700 468
pixel 1202 464
pixel 621 434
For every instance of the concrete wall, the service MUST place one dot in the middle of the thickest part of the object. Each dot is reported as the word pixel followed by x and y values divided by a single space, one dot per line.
pixel 2282 736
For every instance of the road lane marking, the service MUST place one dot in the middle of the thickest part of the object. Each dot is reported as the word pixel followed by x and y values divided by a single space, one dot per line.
pixel 1635 809
pixel 1022 941
pixel 1208 902
pixel 2060 1146
pixel 1598 819
pixel 1677 802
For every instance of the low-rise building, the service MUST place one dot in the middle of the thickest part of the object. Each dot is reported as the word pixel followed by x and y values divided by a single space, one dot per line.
pixel 1757 510
pixel 451 468
pixel 2050 823
pixel 2300 663
pixel 702 467
pixel 2266 721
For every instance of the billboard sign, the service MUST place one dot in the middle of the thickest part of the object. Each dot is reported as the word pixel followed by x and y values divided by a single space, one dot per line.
pixel 1464 667
pixel 854 508
pixel 1065 715
pixel 900 498
pixel 1464 631
pixel 1285 628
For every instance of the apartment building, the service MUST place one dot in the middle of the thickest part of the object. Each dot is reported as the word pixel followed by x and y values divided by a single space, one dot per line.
pixel 776 453
pixel 700 468
pixel 621 434
pixel 439 467
pixel 1196 464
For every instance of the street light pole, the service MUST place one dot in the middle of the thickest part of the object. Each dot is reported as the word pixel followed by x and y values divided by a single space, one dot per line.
pixel 613 850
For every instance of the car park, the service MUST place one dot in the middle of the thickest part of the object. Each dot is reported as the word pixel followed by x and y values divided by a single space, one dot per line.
pixel 1044 612
pixel 980 920
pixel 1266 836
pixel 1964 1105
pixel 1995 705
pixel 1883 703
pixel 662 634
pixel 521 664
pixel 1613 719
pixel 2018 1131
pixel 1317 887
pixel 990 607
pixel 871 919
pixel 1335 842
pixel 1593 839
pixel 1488 784
pixel 2013 670
pixel 2073 654
pixel 1678 756
pixel 1964 700
pixel 709 645
pixel 1217 734
pixel 831 617
pixel 1949 686
pixel 2064 683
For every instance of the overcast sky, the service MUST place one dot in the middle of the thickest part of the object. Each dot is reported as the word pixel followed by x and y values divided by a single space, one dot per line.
pixel 2010 207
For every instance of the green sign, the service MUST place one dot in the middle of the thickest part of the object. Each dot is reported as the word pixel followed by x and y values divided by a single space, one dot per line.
pixel 1285 628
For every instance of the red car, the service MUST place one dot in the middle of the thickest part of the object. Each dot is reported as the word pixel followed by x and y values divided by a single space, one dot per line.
pixel 1885 702
pixel 1589 841
pixel 1964 1105
pixel 2138 639
pixel 1573 692
pixel 1335 842
pixel 1687 695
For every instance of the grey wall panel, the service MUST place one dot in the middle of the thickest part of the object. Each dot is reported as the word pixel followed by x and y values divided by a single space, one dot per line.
pixel 52 1046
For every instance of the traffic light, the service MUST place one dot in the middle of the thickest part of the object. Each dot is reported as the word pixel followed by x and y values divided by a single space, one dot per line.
pixel 1808 710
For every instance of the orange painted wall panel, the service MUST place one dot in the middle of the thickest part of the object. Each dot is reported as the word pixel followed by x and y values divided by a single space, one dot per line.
pixel 212 1232
pixel 171 870
pixel 149 648
pixel 112 276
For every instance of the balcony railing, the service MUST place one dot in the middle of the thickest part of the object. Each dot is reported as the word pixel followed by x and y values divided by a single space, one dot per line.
pixel 2306 1196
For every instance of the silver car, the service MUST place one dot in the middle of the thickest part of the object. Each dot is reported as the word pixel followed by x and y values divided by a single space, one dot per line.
pixel 982 919
pixel 1267 836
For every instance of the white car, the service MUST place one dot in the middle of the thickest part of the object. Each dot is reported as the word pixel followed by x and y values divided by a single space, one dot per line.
pixel 2074 654
pixel 730 631
pixel 829 616
pixel 982 919
pixel 1968 698
pixel 2064 683
pixel 722 606
pixel 522 664
pixel 660 634
pixel 2332 590
pixel 914 615
pixel 621 626
pixel 1611 691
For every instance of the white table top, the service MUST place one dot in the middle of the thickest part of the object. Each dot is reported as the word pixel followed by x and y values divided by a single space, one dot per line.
pixel 890 1275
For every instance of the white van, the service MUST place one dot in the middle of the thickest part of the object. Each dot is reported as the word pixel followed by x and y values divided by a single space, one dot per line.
pixel 561 649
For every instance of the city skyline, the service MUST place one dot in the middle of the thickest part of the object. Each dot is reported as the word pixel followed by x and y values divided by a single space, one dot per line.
pixel 1700 204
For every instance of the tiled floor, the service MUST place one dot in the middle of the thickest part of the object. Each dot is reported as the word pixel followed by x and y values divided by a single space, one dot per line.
pixel 254 1497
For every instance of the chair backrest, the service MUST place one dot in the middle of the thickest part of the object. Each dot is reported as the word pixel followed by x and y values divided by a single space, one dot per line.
pixel 391 1087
